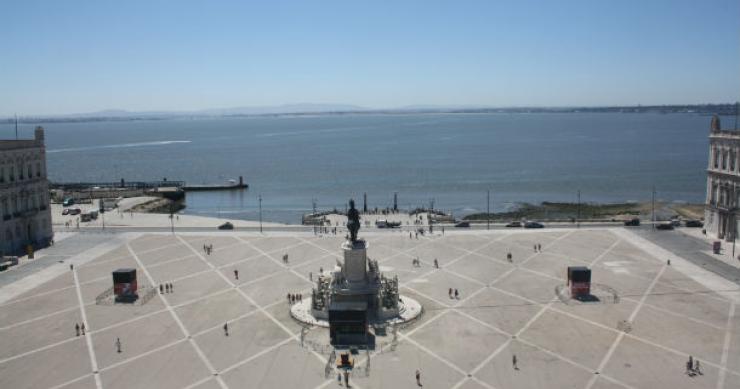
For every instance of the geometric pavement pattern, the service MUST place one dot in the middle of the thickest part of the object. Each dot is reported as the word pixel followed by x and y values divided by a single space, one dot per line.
pixel 505 308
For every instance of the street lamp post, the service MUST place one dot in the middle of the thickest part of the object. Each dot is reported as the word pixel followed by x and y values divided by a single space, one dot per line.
pixel 488 209
pixel 578 214
pixel 653 207
pixel 260 201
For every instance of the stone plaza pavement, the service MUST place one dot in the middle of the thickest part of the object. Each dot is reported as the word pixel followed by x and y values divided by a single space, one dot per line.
pixel 176 340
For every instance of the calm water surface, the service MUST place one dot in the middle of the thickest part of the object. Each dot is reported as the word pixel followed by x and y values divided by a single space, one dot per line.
pixel 451 158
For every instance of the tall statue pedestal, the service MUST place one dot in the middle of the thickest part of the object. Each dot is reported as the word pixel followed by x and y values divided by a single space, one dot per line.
pixel 355 260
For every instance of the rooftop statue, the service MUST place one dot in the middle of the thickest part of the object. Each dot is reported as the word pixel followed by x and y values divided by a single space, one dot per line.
pixel 353 221
pixel 715 125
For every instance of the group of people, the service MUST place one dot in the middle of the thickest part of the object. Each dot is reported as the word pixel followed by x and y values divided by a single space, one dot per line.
pixel 537 248
pixel 415 262
pixel 693 367
pixel 294 298
pixel 454 292
pixel 80 329
pixel 166 288
pixel 208 248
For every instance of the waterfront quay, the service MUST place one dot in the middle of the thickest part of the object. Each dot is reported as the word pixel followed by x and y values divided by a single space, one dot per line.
pixel 641 338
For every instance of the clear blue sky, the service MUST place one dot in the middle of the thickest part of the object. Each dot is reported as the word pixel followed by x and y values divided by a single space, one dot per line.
pixel 72 56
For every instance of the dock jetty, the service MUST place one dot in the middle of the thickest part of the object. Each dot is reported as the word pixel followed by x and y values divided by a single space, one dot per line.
pixel 173 190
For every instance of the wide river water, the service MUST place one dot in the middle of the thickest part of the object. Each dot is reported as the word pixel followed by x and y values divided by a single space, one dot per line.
pixel 450 158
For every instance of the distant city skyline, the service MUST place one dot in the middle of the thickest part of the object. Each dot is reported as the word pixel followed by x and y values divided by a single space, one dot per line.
pixel 77 57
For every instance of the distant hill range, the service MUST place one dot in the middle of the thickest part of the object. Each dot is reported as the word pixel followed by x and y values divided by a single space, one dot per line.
pixel 344 109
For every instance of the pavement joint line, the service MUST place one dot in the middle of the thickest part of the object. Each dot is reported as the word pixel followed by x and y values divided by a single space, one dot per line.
pixel 287 267
pixel 533 345
pixel 433 354
pixel 482 289
pixel 43 348
pixel 146 251
pixel 46 316
pixel 534 318
pixel 53 270
pixel 87 335
pixel 248 298
pixel 129 321
pixel 607 357
pixel 622 297
pixel 726 347
pixel 169 261
pixel 258 354
pixel 405 285
pixel 174 315
pixel 97 261
pixel 426 296
pixel 72 381
pixel 600 325
pixel 673 313
pixel 251 257
pixel 200 382
pixel 261 308
pixel 424 324
pixel 627 298
pixel 144 354
pixel 572 362
pixel 682 265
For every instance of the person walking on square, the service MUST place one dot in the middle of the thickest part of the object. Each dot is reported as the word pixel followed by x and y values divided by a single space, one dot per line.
pixel 236 274
pixel 226 329
pixel 539 247
pixel 172 288
pixel 71 266
pixel 535 248
pixel 697 367
pixel 513 362
pixel 418 378
pixel 77 329
pixel 436 264
pixel 457 295
pixel 82 328
pixel 449 292
pixel 118 345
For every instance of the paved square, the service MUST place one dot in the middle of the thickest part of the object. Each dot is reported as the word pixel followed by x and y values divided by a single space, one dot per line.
pixel 506 308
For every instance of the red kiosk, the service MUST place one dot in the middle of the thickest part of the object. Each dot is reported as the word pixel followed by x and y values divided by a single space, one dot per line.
pixel 579 280
pixel 125 285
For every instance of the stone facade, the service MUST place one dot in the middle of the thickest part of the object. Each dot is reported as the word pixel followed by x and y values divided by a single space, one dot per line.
pixel 24 195
pixel 723 182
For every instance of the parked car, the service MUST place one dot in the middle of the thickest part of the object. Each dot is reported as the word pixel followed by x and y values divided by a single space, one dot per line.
pixel 694 223
pixel 65 211
pixel 533 225
pixel 462 224
pixel 634 222
pixel 676 222
pixel 74 211
pixel 68 201
pixel 665 226
pixel 226 226
pixel 514 224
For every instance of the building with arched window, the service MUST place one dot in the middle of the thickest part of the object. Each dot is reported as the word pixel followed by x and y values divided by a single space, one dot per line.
pixel 24 194
pixel 723 182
